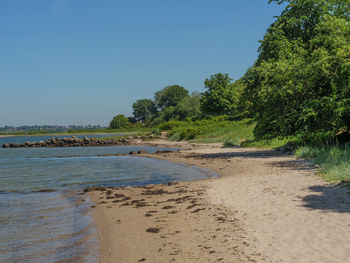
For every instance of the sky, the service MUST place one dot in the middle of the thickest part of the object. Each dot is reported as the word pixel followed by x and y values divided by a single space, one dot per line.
pixel 65 62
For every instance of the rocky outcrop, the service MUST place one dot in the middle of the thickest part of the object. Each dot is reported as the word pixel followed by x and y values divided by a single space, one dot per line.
pixel 74 141
pixel 68 142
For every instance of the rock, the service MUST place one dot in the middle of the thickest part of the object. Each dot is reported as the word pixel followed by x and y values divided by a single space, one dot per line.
pixel 153 230
pixel 141 152
pixel 6 145
pixel 94 188
pixel 132 152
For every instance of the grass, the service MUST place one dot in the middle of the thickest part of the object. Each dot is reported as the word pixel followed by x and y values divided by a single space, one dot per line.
pixel 216 130
pixel 231 135
pixel 264 143
pixel 334 161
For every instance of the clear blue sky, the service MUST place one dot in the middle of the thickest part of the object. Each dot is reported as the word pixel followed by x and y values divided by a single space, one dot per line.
pixel 84 61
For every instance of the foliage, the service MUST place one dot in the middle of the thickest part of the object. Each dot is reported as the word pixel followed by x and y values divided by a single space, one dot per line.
pixel 273 142
pixel 334 160
pixel 214 129
pixel 170 96
pixel 170 125
pixel 221 96
pixel 189 107
pixel 144 110
pixel 300 83
pixel 119 121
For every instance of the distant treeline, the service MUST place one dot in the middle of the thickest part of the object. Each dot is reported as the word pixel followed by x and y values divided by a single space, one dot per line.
pixel 47 128
pixel 298 86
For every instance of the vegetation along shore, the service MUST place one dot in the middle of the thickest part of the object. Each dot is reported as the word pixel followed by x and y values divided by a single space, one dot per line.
pixel 268 206
pixel 278 138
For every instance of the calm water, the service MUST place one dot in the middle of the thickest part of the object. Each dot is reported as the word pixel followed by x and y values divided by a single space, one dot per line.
pixel 55 226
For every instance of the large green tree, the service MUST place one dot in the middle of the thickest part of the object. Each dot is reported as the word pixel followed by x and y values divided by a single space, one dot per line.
pixel 189 106
pixel 221 96
pixel 119 121
pixel 144 110
pixel 300 82
pixel 170 96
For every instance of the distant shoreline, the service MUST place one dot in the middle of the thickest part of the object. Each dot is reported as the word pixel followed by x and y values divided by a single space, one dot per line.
pixel 64 134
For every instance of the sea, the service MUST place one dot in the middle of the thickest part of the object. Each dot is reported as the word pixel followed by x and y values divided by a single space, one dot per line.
pixel 43 218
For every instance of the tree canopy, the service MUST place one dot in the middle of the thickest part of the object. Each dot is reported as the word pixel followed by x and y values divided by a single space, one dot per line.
pixel 300 82
pixel 119 121
pixel 144 110
pixel 221 96
pixel 170 96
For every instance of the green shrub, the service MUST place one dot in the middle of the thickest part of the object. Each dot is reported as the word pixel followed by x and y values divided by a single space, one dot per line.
pixel 119 121
pixel 334 160
pixel 175 137
pixel 156 131
pixel 167 126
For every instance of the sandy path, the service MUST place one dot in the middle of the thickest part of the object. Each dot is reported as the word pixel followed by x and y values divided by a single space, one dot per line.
pixel 281 213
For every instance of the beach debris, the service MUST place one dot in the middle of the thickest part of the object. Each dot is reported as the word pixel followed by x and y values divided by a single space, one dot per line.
pixel 155 192
pixel 153 230
pixel 168 207
pixel 198 210
pixel 94 188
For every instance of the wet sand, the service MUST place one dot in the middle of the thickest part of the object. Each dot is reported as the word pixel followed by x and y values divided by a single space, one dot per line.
pixel 267 206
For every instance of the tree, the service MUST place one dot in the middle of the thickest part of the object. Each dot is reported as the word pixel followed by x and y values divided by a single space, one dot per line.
pixel 300 82
pixel 119 121
pixel 189 106
pixel 144 110
pixel 221 96
pixel 170 96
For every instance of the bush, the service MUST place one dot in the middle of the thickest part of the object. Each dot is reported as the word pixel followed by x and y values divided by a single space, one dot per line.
pixel 212 129
pixel 119 121
pixel 167 126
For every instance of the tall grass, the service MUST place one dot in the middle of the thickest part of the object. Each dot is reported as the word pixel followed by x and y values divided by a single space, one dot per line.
pixel 217 129
pixel 334 161
pixel 231 135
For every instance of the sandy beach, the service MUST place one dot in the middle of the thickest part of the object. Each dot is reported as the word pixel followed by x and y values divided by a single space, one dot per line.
pixel 266 206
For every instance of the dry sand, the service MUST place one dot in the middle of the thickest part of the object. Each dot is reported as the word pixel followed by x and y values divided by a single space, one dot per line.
pixel 267 206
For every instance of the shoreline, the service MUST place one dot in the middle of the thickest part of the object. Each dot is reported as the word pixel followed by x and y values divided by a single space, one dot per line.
pixel 65 134
pixel 266 206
